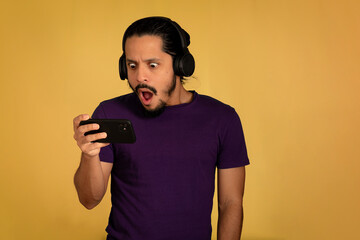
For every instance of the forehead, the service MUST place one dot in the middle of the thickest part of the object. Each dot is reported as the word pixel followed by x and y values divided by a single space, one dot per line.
pixel 143 44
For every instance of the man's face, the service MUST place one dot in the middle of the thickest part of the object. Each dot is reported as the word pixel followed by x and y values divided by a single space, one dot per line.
pixel 150 72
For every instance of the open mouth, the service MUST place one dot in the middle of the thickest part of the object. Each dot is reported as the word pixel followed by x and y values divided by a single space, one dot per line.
pixel 145 96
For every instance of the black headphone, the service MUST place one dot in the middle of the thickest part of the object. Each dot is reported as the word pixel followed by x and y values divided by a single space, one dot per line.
pixel 183 64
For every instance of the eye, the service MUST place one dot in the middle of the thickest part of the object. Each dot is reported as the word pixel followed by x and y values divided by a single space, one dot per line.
pixel 132 65
pixel 153 65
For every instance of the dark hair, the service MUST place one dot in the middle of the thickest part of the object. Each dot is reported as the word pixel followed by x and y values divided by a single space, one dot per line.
pixel 162 27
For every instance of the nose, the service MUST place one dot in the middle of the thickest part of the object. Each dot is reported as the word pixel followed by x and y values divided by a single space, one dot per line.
pixel 141 74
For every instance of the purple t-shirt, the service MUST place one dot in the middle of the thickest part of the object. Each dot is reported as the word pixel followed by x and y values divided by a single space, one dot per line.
pixel 162 186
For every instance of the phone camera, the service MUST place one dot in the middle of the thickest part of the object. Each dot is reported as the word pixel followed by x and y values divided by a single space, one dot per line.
pixel 123 126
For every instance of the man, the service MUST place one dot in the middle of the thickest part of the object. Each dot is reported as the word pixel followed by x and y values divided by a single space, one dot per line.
pixel 162 186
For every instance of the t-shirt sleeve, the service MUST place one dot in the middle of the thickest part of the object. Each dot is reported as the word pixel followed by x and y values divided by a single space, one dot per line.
pixel 232 151
pixel 106 153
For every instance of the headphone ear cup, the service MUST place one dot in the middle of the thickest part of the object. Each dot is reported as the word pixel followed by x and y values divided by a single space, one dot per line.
pixel 122 67
pixel 188 64
pixel 184 65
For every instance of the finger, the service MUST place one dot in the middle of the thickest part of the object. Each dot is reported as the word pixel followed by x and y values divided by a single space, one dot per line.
pixel 78 119
pixel 87 127
pixel 82 140
pixel 99 145
pixel 94 137
pixel 81 130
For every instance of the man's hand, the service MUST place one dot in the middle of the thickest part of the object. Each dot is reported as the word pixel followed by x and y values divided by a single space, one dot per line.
pixel 89 148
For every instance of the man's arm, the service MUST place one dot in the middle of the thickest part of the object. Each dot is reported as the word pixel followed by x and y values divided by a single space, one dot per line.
pixel 92 176
pixel 91 180
pixel 231 184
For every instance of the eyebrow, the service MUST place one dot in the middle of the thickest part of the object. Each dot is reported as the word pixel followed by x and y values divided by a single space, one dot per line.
pixel 146 60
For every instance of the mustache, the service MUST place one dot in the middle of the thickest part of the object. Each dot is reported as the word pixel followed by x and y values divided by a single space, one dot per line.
pixel 143 85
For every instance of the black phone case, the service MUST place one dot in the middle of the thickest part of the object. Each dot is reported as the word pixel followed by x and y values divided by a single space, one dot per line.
pixel 117 130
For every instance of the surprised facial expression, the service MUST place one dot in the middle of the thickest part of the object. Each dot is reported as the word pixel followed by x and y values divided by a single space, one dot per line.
pixel 150 71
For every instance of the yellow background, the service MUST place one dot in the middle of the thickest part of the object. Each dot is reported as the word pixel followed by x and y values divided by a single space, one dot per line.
pixel 290 68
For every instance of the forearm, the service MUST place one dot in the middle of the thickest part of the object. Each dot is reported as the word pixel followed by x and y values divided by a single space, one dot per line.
pixel 89 181
pixel 230 221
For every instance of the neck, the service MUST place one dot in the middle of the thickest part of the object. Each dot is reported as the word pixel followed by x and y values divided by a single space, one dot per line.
pixel 180 95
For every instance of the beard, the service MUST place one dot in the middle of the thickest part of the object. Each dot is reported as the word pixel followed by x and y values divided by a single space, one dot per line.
pixel 159 109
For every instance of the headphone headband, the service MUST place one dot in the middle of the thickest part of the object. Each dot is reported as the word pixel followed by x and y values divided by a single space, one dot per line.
pixel 181 35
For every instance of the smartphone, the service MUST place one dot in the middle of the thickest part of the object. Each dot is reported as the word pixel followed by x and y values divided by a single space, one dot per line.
pixel 117 130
